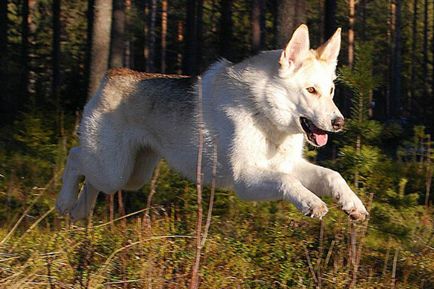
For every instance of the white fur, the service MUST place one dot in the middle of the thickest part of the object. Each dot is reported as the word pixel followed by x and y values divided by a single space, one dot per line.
pixel 251 110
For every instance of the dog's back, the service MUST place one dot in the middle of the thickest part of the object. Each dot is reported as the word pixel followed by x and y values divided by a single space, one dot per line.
pixel 125 88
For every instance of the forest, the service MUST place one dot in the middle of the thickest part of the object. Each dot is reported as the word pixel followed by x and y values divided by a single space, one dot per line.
pixel 53 54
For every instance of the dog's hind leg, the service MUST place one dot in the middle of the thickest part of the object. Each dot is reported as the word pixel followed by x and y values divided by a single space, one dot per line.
pixel 68 194
pixel 145 163
pixel 86 202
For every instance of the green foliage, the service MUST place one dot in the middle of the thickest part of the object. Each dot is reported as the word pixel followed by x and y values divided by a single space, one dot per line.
pixel 361 81
pixel 365 162
pixel 34 138
pixel 396 185
pixel 31 149
pixel 368 130
pixel 356 156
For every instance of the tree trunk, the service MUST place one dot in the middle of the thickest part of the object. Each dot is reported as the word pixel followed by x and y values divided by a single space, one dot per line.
pixel 3 34
pixel 121 206
pixel 112 210
pixel 194 282
pixel 425 52
pixel 413 55
pixel 88 57
pixel 226 24
pixel 362 8
pixel 329 18
pixel 117 50
pixel 55 85
pixel 4 55
pixel 189 63
pixel 138 45
pixel 56 53
pixel 213 16
pixel 100 43
pixel 389 56
pixel 146 32
pixel 396 64
pixel 193 37
pixel 290 14
pixel 258 25
pixel 179 39
pixel 199 36
pixel 351 18
pixel 163 35
pixel 431 118
pixel 275 16
pixel 150 60
pixel 25 51
pixel 395 259
pixel 127 41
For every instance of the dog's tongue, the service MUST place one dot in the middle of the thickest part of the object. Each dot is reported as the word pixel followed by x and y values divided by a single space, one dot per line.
pixel 321 136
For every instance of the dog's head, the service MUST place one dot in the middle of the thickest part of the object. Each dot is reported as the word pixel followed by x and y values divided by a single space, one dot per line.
pixel 302 92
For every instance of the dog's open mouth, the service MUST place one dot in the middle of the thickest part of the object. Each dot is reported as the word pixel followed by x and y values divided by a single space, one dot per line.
pixel 315 135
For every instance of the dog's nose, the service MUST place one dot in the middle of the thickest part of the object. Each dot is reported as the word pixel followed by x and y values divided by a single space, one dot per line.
pixel 338 123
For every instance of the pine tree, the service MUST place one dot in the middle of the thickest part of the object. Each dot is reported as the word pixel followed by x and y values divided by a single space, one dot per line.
pixel 359 157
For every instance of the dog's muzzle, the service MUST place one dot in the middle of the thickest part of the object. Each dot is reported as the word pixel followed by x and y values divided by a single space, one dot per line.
pixel 338 123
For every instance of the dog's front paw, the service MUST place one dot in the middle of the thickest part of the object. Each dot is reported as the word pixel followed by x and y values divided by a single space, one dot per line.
pixel 354 208
pixel 357 215
pixel 315 209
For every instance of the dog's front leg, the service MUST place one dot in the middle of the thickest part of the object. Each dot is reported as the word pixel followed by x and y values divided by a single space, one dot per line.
pixel 323 181
pixel 276 186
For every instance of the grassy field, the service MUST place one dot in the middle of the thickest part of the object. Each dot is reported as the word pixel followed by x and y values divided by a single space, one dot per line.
pixel 250 245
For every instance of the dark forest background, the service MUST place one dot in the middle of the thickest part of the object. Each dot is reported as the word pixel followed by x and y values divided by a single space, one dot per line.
pixel 53 54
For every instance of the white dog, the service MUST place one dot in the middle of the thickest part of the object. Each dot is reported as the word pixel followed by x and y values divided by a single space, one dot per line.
pixel 258 112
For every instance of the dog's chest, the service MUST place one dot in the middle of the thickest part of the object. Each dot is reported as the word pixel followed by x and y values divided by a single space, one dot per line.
pixel 282 156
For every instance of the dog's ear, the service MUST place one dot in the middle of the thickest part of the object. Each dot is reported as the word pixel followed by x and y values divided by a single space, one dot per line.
pixel 329 51
pixel 295 52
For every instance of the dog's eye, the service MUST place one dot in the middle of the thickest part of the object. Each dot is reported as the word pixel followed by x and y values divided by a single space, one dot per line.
pixel 311 90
